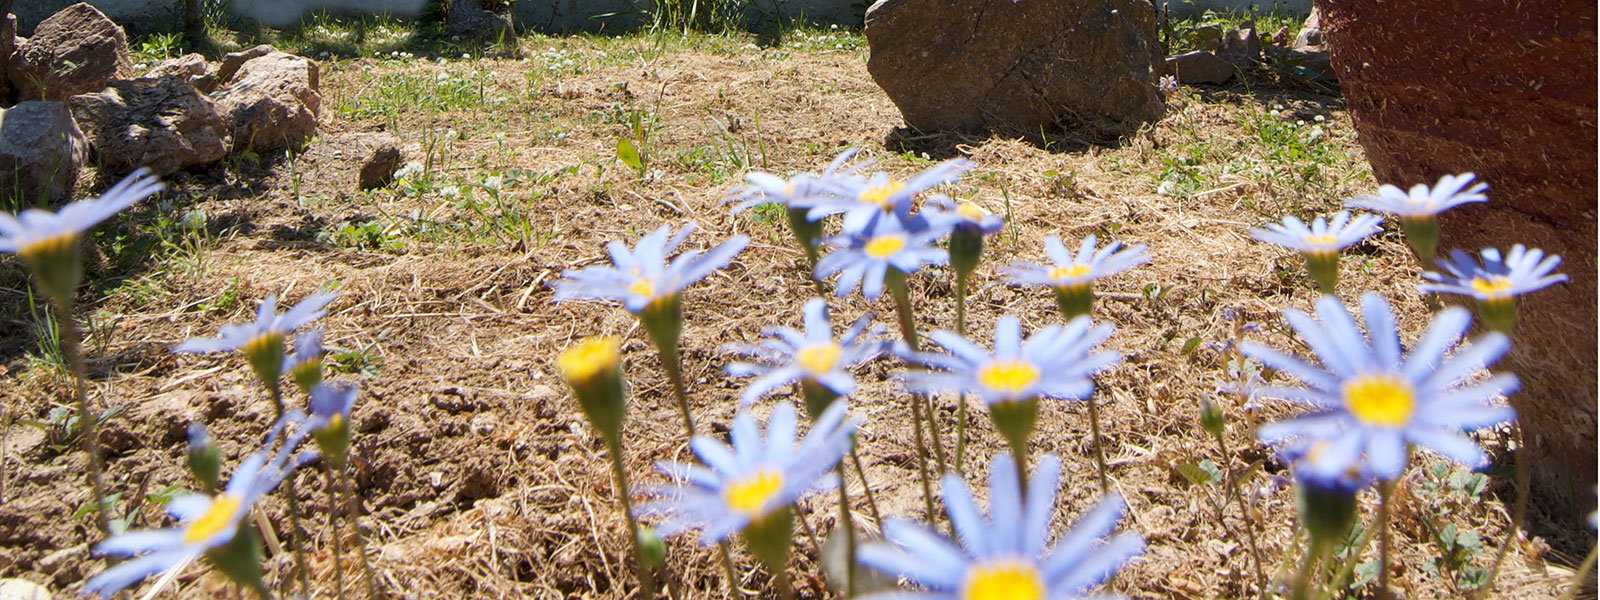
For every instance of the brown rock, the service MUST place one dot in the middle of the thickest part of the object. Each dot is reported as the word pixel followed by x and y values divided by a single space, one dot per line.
pixel 163 123
pixel 383 158
pixel 479 20
pixel 75 51
pixel 271 102
pixel 232 61
pixel 997 64
pixel 1281 37
pixel 1200 67
pixel 1432 94
pixel 1315 59
pixel 1242 46
pixel 192 68
pixel 41 151
pixel 1308 38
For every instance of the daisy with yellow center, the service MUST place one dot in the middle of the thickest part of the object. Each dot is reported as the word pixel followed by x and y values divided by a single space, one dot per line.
pixel 1005 554
pixel 221 514
pixel 753 494
pixel 885 246
pixel 1009 376
pixel 819 359
pixel 1372 401
pixel 881 195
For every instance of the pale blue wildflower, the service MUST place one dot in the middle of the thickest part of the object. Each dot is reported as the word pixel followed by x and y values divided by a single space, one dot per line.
pixel 268 324
pixel 204 522
pixel 1323 237
pixel 812 355
pixel 1072 277
pixel 642 276
pixel 798 192
pixel 1497 278
pixel 1007 555
pixel 34 229
pixel 1372 401
pixel 1055 362
pixel 863 201
pixel 756 477
pixel 1421 201
pixel 865 257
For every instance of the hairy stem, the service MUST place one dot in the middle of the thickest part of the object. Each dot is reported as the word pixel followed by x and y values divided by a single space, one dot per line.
pixel 353 506
pixel 333 533
pixel 647 584
pixel 72 349
pixel 1519 511
pixel 303 574
pixel 1094 440
pixel 669 361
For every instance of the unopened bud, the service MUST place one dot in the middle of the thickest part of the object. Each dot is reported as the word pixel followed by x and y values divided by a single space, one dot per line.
pixel 594 370
pixel 205 460
pixel 1211 418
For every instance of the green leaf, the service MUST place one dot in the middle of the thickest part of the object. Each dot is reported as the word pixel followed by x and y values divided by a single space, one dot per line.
pixel 1365 573
pixel 1190 345
pixel 1204 473
pixel 628 154
pixel 1471 541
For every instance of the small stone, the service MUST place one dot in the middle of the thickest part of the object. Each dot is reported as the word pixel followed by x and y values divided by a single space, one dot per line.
pixel 1308 38
pixel 22 589
pixel 1200 67
pixel 1281 37
pixel 1242 46
pixel 75 51
pixel 1315 59
pixel 382 160
pixel 232 61
pixel 482 424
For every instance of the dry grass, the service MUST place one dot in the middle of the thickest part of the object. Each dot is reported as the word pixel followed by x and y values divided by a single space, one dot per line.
pixel 480 475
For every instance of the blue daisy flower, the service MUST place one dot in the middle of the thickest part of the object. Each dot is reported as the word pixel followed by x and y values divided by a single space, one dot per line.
pixel 863 200
pixel 205 523
pixel 1372 401
pixel 1080 271
pixel 1497 278
pixel 965 216
pixel 1055 362
pixel 812 356
pixel 262 342
pixel 1421 201
pixel 35 230
pixel 1006 556
pixel 801 191
pixel 269 325
pixel 48 242
pixel 1320 243
pixel 642 276
pixel 757 477
pixel 331 403
pixel 864 258
pixel 1323 237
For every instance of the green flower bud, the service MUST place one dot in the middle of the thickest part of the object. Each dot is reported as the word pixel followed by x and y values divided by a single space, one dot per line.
pixel 1015 420
pixel 1499 313
pixel 1211 418
pixel 805 231
pixel 769 538
pixel 1422 234
pixel 966 250
pixel 265 354
pixel 240 558
pixel 651 549
pixel 663 320
pixel 205 460
pixel 57 265
pixel 307 374
pixel 818 397
pixel 1324 269
pixel 333 440
pixel 594 370
pixel 1075 300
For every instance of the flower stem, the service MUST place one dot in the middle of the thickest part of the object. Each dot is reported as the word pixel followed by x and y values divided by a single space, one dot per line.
pixel 1385 499
pixel 71 348
pixel 669 361
pixel 1349 565
pixel 1302 580
pixel 647 584
pixel 961 433
pixel 861 472
pixel 1244 510
pixel 353 506
pixel 847 525
pixel 275 391
pixel 895 280
pixel 1099 453
pixel 727 567
pixel 333 533
pixel 1519 511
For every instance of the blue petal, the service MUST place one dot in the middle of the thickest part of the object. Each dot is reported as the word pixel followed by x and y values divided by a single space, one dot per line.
pixel 113 580
pixel 716 455
pixel 1095 568
pixel 1090 528
pixel 1386 453
pixel 1040 504
pixel 968 523
pixel 780 433
pixel 138 542
pixel 1452 446
pixel 1005 503
pixel 1447 327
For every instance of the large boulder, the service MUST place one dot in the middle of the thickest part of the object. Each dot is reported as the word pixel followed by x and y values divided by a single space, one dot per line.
pixel 191 67
pixel 999 64
pixel 41 151
pixel 272 101
pixel 75 51
pixel 162 123
pixel 1507 91
pixel 1200 66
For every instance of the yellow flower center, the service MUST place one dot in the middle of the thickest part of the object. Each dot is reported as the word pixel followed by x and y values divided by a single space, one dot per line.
pixel 751 494
pixel 1497 286
pixel 55 245
pixel 643 287
pixel 216 518
pixel 1011 375
pixel 818 358
pixel 972 211
pixel 1382 399
pixel 1005 579
pixel 885 246
pixel 589 358
pixel 1322 241
pixel 879 194
pixel 1072 271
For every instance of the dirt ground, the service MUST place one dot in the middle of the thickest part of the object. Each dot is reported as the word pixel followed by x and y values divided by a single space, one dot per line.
pixel 480 477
